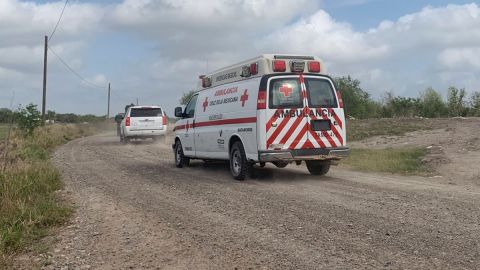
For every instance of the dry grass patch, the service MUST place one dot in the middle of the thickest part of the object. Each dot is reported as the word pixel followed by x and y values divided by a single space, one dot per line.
pixel 3 131
pixel 398 161
pixel 361 129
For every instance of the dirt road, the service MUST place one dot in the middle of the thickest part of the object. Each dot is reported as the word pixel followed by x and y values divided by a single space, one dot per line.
pixel 135 210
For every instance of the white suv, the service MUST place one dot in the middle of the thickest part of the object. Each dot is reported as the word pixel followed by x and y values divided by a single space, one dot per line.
pixel 141 122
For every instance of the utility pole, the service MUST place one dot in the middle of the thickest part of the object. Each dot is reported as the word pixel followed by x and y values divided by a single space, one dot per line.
pixel 108 104
pixel 44 100
pixel 137 101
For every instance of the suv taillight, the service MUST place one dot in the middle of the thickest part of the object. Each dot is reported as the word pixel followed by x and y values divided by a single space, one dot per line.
pixel 164 120
pixel 262 100
pixel 127 121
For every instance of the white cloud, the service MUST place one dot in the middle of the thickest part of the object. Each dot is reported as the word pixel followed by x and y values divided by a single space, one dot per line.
pixel 403 55
pixel 432 47
pixel 462 59
pixel 320 34
pixel 192 28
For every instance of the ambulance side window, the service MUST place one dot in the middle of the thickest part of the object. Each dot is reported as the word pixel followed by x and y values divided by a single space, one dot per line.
pixel 190 109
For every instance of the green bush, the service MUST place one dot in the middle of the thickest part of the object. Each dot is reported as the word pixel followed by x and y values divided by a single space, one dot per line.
pixel 28 201
pixel 357 102
pixel 29 118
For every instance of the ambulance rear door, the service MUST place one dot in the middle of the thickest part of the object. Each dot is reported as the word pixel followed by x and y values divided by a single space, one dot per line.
pixel 286 125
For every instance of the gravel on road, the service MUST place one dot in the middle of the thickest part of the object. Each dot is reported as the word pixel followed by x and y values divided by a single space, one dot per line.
pixel 136 210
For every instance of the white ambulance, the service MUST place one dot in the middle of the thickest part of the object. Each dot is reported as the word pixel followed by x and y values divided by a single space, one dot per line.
pixel 272 108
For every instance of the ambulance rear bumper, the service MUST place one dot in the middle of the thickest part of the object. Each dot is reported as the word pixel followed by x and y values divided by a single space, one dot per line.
pixel 304 154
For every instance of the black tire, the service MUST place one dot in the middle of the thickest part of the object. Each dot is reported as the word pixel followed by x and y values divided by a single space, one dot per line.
pixel 280 164
pixel 239 165
pixel 180 159
pixel 124 139
pixel 316 167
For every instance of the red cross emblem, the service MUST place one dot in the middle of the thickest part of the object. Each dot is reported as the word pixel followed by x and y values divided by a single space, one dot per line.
pixel 244 97
pixel 286 90
pixel 205 104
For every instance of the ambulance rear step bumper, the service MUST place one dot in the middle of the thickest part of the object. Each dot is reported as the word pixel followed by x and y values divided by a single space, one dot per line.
pixel 304 154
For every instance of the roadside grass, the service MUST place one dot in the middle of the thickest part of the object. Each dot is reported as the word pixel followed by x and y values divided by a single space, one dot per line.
pixel 396 161
pixel 3 131
pixel 360 129
pixel 29 203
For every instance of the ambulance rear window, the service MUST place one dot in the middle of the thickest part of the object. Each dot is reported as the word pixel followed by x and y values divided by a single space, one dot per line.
pixel 320 93
pixel 285 93
pixel 145 112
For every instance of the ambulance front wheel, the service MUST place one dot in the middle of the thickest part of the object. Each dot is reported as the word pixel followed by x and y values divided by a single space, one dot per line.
pixel 239 165
pixel 316 167
pixel 180 159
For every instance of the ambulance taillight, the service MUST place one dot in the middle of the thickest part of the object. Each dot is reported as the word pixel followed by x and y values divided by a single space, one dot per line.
pixel 340 100
pixel 314 66
pixel 262 100
pixel 279 66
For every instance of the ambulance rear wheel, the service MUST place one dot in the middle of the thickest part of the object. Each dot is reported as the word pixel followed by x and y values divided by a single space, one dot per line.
pixel 316 167
pixel 180 159
pixel 239 165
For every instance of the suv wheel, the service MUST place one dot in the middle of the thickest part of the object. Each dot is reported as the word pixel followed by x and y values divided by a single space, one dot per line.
pixel 239 166
pixel 317 167
pixel 180 159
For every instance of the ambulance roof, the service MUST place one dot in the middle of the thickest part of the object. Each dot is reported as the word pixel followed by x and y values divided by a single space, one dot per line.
pixel 264 64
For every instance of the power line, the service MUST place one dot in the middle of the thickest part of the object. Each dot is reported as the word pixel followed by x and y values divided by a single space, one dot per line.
pixel 58 22
pixel 119 96
pixel 76 73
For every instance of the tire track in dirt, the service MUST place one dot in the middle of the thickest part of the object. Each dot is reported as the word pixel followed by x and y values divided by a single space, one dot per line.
pixel 136 210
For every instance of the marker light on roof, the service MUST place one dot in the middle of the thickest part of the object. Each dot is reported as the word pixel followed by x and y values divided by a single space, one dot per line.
pixel 246 72
pixel 254 68
pixel 313 66
pixel 206 82
pixel 297 66
pixel 279 66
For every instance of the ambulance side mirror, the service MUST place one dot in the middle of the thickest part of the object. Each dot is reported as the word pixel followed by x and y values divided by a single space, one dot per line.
pixel 179 112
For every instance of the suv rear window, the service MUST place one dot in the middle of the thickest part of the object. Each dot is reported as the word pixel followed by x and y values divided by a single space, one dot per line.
pixel 285 93
pixel 145 112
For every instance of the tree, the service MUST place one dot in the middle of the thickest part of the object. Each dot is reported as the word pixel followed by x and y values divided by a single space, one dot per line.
pixel 357 102
pixel 400 106
pixel 186 97
pixel 51 115
pixel 456 102
pixel 475 103
pixel 432 104
pixel 29 118
pixel 6 115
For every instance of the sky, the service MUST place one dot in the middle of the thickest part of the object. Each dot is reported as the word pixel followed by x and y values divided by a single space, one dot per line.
pixel 154 50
